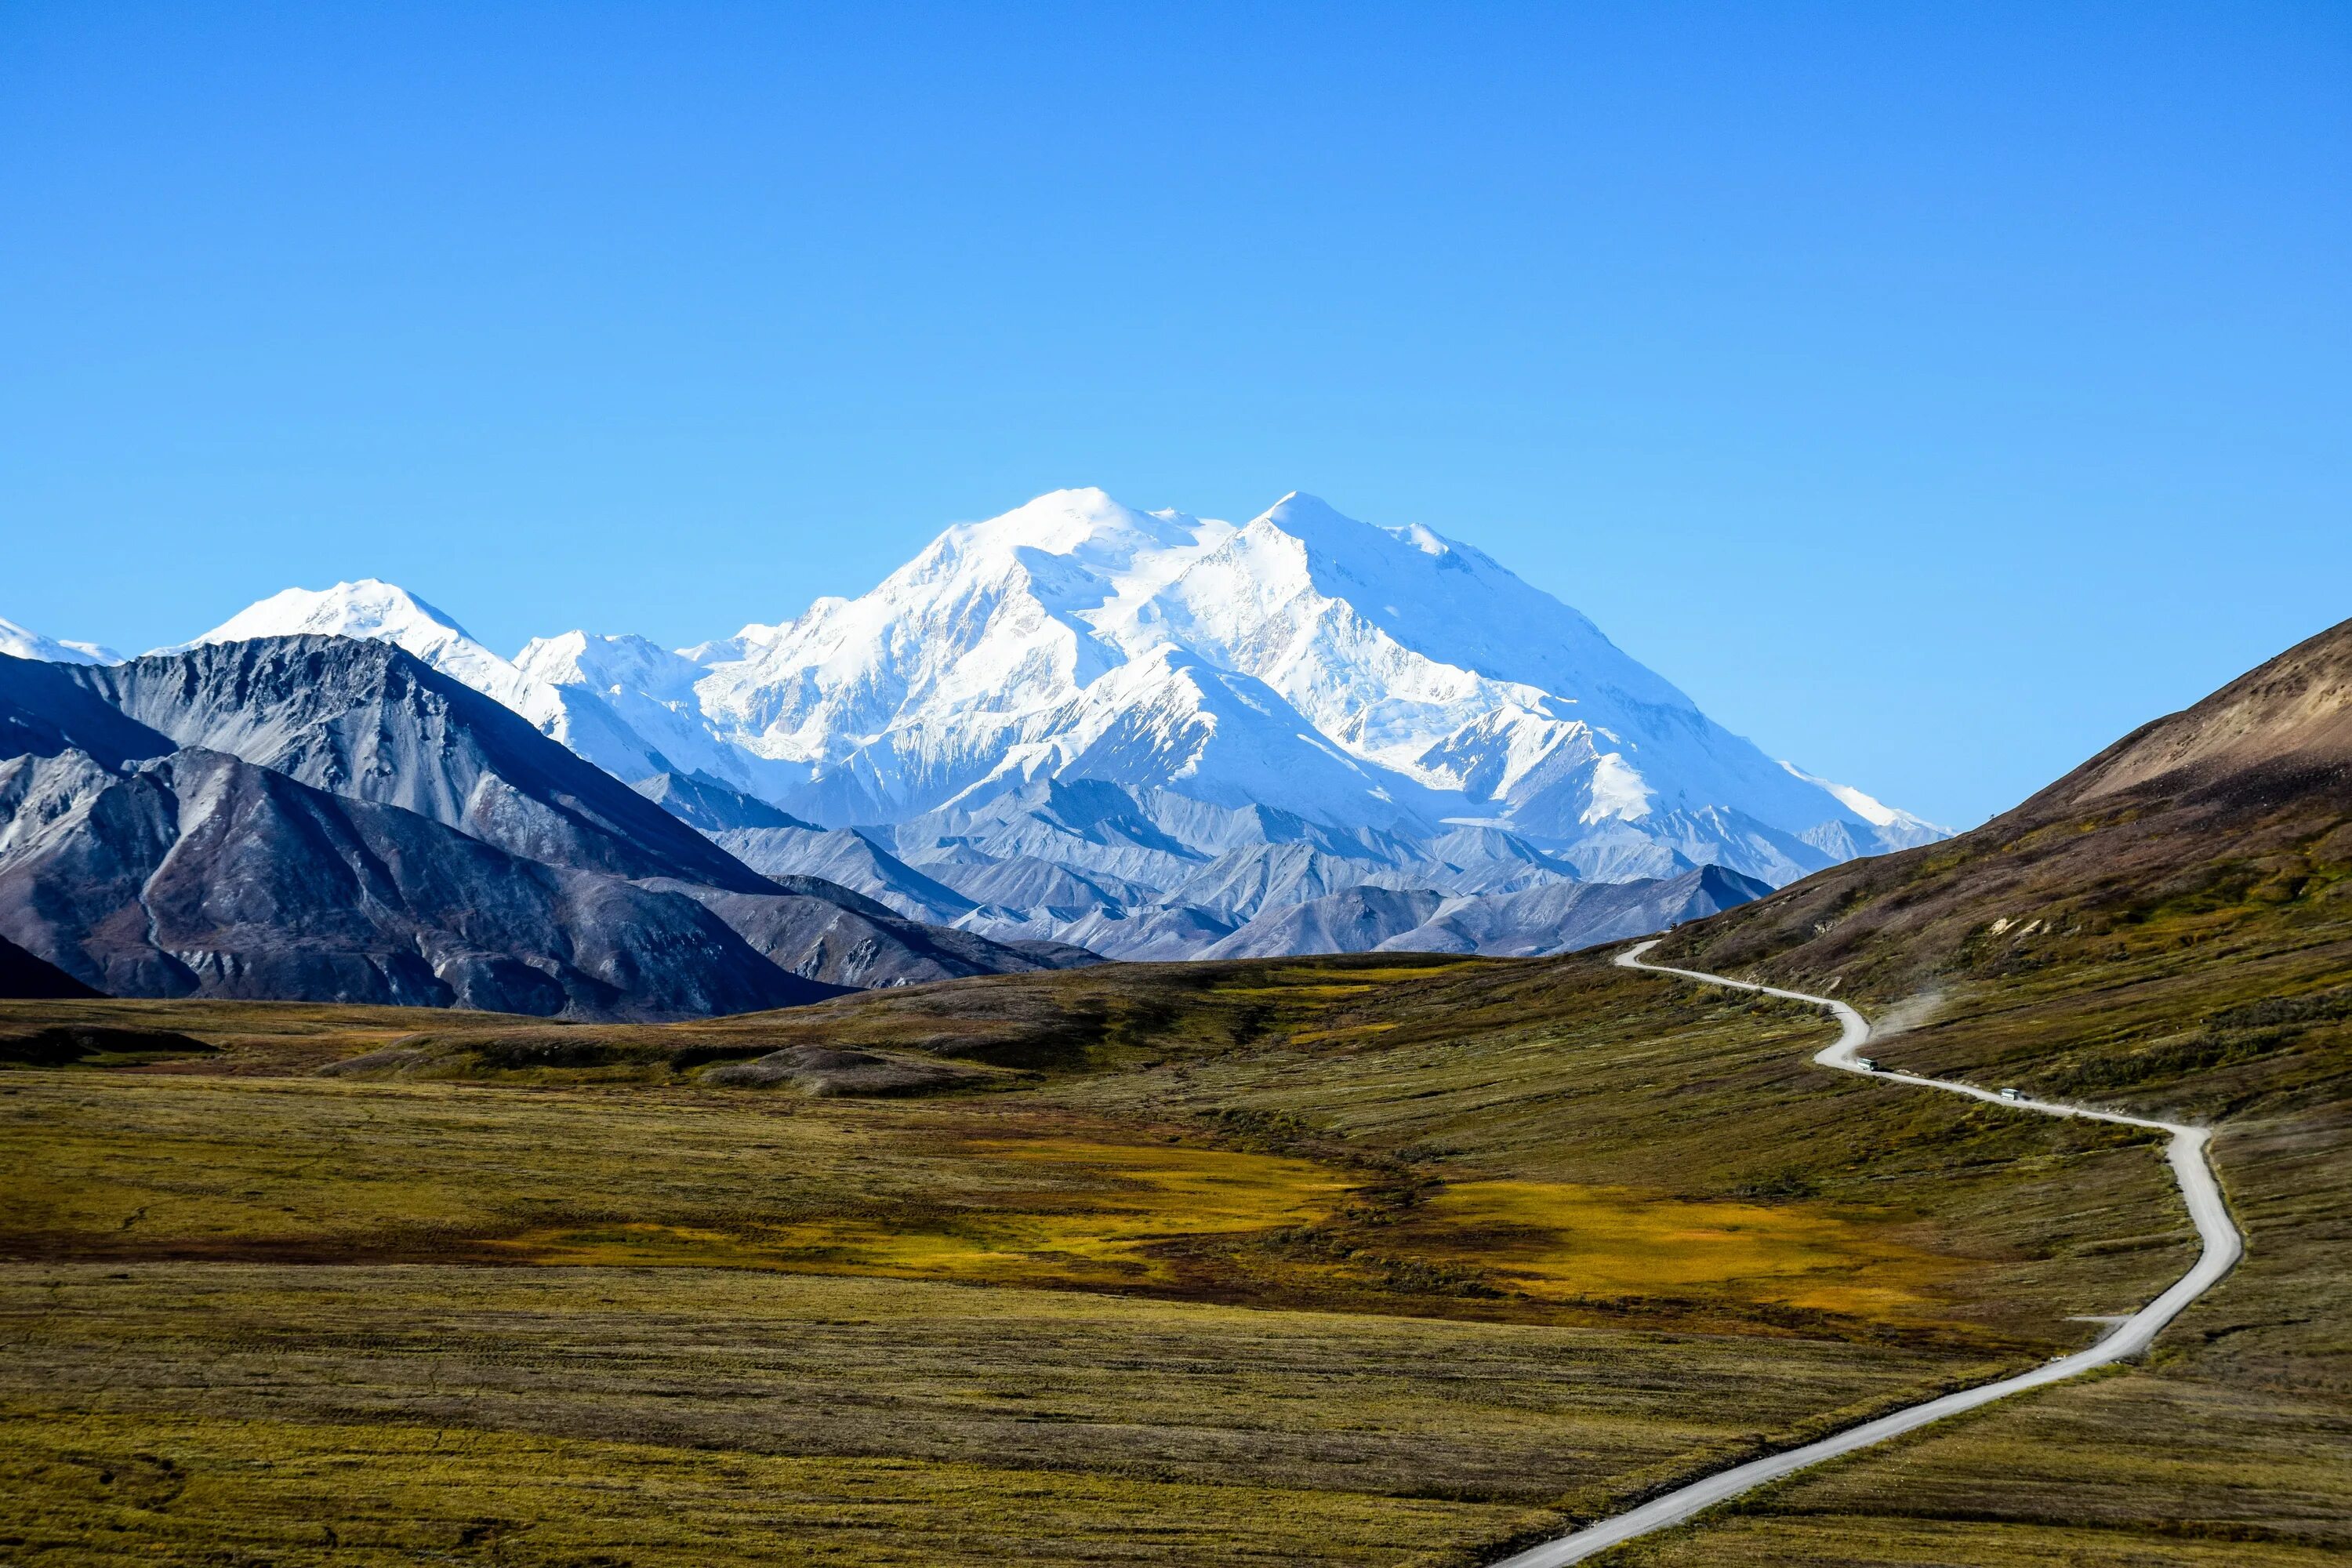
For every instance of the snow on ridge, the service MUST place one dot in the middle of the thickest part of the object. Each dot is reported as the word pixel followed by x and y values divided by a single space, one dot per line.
pixel 1367 678
pixel 371 609
pixel 610 662
pixel 1875 811
pixel 22 642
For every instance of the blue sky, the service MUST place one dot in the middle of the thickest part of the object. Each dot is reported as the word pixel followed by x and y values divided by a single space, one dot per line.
pixel 1934 391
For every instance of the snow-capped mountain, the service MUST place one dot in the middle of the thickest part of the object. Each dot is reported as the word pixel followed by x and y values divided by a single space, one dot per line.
pixel 1303 660
pixel 375 611
pixel 569 687
pixel 22 642
pixel 1395 701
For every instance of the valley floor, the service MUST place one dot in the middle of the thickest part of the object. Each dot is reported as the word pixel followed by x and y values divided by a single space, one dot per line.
pixel 1313 1261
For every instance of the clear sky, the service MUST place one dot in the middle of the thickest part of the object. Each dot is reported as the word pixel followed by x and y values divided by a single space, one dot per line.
pixel 1935 392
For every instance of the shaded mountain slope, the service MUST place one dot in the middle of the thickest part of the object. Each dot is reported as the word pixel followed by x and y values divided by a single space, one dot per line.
pixel 1534 922
pixel 844 856
pixel 24 977
pixel 46 709
pixel 1561 917
pixel 365 720
pixel 370 721
pixel 199 874
pixel 819 930
pixel 704 803
pixel 1357 919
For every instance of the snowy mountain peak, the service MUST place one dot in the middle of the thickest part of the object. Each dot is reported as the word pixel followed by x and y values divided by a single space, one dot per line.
pixel 1355 678
pixel 369 608
pixel 608 663
pixel 22 642
pixel 1352 674
pixel 1084 523
pixel 1323 528
pixel 1075 551
pixel 376 611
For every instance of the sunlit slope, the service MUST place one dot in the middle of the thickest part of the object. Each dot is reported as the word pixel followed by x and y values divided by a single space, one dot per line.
pixel 2167 929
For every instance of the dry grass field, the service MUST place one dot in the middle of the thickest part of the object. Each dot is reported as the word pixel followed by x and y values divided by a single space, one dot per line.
pixel 2123 959
pixel 1309 1261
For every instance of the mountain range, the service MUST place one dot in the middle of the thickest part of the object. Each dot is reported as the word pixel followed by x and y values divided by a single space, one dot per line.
pixel 1073 725
pixel 331 819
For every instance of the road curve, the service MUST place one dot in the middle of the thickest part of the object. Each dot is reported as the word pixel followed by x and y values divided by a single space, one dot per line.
pixel 2222 1246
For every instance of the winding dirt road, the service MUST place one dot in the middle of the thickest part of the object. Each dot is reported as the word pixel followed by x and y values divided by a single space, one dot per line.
pixel 2222 1246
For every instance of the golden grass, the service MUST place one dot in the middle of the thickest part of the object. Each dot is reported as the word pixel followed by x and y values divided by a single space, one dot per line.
pixel 1454 1164
pixel 2112 1472
pixel 624 1395
pixel 129 1165
pixel 1561 1241
pixel 144 1161
pixel 1110 1206
pixel 1742 1542
pixel 96 1489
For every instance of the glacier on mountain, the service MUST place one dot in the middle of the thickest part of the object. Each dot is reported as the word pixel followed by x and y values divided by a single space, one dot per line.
pixel 1157 710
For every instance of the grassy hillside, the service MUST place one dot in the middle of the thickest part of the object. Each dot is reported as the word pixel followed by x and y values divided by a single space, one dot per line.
pixel 1377 1260
pixel 2168 929
pixel 1312 1261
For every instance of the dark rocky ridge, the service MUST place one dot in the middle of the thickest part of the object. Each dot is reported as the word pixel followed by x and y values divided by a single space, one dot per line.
pixel 369 721
pixel 324 819
pixel 23 976
pixel 199 874
pixel 45 709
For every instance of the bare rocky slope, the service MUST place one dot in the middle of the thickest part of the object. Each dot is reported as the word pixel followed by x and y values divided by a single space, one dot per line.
pixel 329 819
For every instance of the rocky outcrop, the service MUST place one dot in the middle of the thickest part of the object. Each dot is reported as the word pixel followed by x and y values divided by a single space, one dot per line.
pixel 199 874
pixel 371 721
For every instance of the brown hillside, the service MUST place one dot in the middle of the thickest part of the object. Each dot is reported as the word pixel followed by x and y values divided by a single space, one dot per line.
pixel 2243 799
pixel 2167 929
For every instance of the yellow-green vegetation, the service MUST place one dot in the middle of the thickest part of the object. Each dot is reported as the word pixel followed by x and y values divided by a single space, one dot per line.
pixel 835 1419
pixel 103 1489
pixel 1103 1219
pixel 2188 956
pixel 1346 1261
pixel 2146 1466
pixel 1554 1240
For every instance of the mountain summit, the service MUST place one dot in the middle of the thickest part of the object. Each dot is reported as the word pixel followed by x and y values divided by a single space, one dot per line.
pixel 1355 675
pixel 22 642
pixel 1283 708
